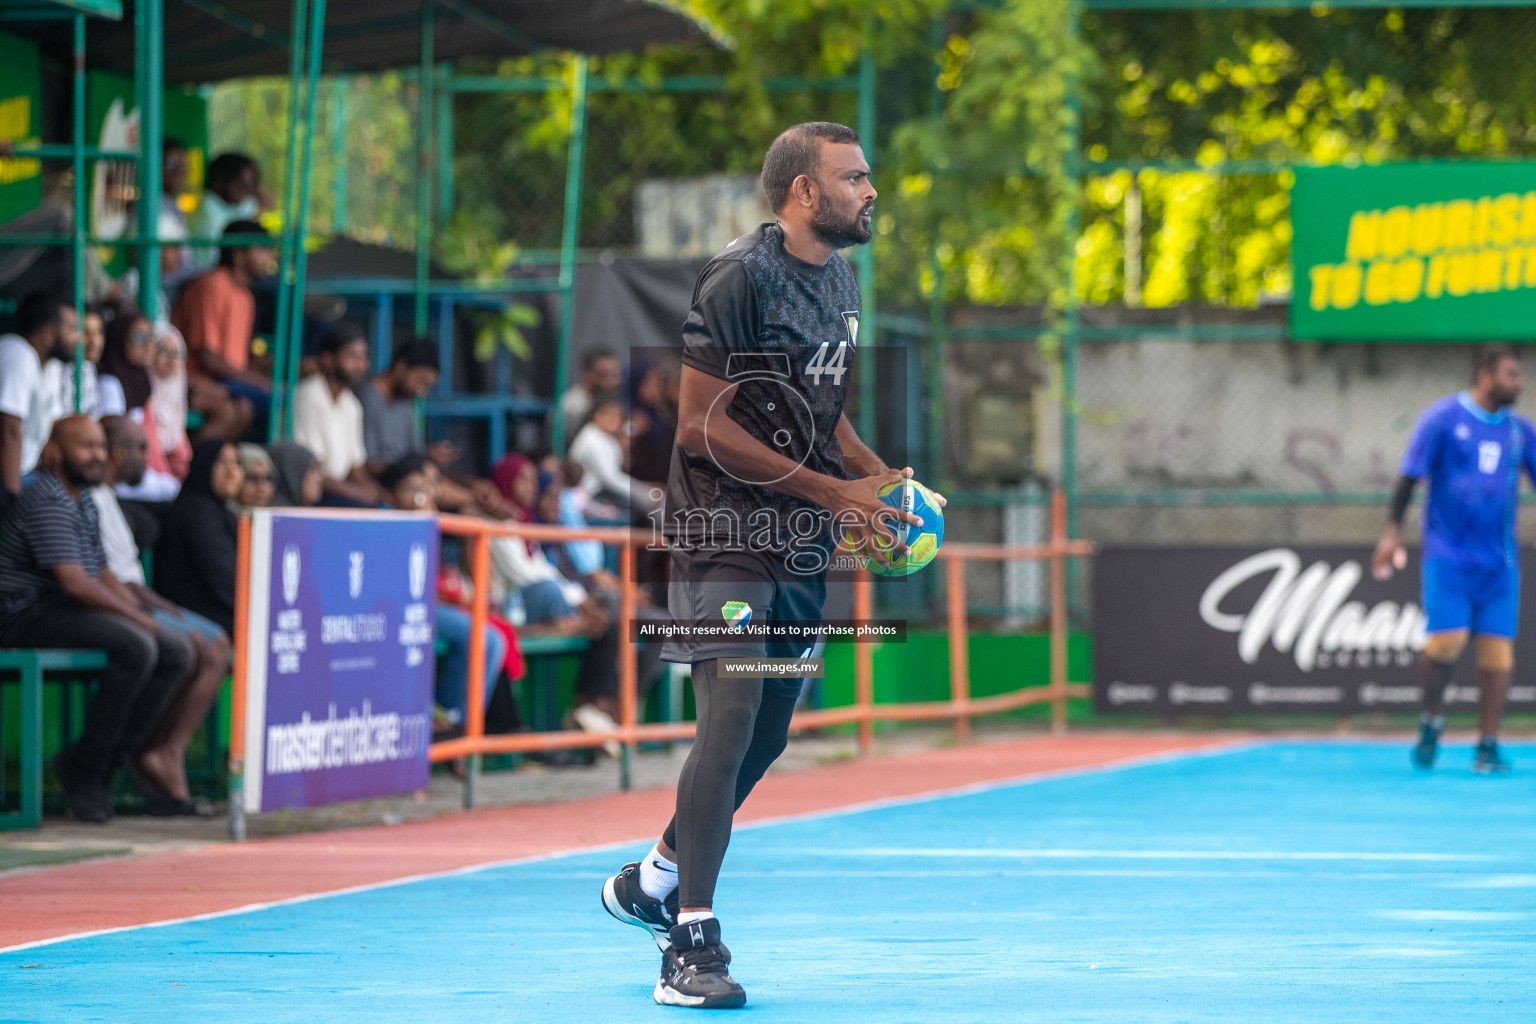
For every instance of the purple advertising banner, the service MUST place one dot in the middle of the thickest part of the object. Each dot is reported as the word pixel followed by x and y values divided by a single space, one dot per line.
pixel 1278 629
pixel 340 669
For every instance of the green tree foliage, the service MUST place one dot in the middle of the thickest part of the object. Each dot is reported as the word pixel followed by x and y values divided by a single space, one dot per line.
pixel 975 157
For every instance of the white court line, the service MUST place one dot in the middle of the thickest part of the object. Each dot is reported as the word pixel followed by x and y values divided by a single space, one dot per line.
pixel 1048 854
pixel 1121 764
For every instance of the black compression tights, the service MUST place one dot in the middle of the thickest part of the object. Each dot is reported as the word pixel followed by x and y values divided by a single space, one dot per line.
pixel 741 731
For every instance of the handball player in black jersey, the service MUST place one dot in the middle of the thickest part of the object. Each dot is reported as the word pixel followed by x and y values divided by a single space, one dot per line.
pixel 766 472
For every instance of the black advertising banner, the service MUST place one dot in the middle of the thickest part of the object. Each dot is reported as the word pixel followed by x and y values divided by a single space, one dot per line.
pixel 1280 629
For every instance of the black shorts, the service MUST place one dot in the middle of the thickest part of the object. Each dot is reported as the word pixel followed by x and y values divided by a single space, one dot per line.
pixel 705 583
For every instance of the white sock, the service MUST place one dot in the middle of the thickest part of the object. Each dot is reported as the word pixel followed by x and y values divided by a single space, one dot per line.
pixel 694 916
pixel 658 876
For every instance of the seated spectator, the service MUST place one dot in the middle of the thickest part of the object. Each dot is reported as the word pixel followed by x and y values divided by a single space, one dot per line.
pixel 175 170
pixel 599 448
pixel 92 400
pixel 25 269
pixel 541 600
pixel 231 192
pixel 216 314
pixel 260 477
pixel 195 559
pixel 134 369
pixel 406 487
pixel 392 430
pixel 56 590
pixel 29 386
pixel 163 763
pixel 128 349
pixel 601 372
pixel 170 449
pixel 328 418
pixel 653 421
pixel 298 481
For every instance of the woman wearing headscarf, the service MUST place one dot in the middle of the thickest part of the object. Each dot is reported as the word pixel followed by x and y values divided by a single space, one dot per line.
pixel 126 355
pixel 260 479
pixel 550 603
pixel 298 480
pixel 165 415
pixel 195 559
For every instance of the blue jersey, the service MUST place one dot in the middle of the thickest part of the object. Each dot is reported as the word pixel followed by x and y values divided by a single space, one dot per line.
pixel 1473 459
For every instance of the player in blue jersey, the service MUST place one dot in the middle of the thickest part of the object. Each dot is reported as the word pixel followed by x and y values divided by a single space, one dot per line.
pixel 1471 446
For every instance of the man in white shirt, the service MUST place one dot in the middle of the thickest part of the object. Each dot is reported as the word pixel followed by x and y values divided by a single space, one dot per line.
pixel 599 450
pixel 126 464
pixel 601 371
pixel 328 418
pixel 30 398
pixel 232 191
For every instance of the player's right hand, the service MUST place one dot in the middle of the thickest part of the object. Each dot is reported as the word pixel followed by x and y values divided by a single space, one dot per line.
pixel 858 509
pixel 1389 555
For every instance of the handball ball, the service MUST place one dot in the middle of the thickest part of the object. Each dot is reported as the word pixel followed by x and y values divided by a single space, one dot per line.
pixel 922 541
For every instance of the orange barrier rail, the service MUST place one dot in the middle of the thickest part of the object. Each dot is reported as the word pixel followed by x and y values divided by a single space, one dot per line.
pixel 864 712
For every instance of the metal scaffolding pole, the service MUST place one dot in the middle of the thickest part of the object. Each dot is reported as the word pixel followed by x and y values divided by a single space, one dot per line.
pixel 285 253
pixel 867 338
pixel 77 238
pixel 339 86
pixel 301 231
pixel 424 165
pixel 149 29
pixel 569 237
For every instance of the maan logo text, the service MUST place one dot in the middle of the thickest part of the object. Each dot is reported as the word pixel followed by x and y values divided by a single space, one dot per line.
pixel 1309 614
pixel 291 573
pixel 416 568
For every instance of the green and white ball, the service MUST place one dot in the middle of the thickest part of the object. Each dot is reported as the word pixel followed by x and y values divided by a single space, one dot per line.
pixel 922 541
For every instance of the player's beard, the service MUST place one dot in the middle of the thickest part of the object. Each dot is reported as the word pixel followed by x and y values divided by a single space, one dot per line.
pixel 839 232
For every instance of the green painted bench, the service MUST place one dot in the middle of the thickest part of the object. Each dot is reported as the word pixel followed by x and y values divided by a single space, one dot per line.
pixel 542 687
pixel 33 665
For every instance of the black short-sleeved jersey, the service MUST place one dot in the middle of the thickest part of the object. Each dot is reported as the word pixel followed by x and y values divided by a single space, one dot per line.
pixel 788 331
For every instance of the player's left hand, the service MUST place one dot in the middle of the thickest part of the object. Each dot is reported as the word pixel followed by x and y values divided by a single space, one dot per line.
pixel 907 473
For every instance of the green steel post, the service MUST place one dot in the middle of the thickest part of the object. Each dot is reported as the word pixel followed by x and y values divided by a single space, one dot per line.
pixel 867 338
pixel 150 23
pixel 77 242
pixel 424 165
pixel 569 236
pixel 1069 336
pixel 937 336
pixel 285 296
pixel 445 143
pixel 301 231
pixel 936 341
pixel 339 87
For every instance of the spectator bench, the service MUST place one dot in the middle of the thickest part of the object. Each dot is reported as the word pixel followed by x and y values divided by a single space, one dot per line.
pixel 35 666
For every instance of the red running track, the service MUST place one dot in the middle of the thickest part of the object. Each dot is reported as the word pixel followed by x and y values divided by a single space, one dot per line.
pixel 140 890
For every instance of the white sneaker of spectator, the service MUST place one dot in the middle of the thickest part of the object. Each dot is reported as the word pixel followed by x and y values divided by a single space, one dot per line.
pixel 591 718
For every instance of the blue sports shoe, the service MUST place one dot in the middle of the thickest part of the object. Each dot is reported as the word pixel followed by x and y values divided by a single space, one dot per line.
pixel 1489 761
pixel 1424 751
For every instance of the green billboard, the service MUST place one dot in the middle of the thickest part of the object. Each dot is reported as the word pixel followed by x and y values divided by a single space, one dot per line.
pixel 21 179
pixel 1414 252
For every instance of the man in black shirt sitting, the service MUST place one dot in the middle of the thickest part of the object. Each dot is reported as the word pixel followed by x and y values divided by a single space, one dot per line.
pixel 56 591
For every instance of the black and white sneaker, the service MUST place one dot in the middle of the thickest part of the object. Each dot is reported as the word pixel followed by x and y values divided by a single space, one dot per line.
pixel 695 971
pixel 627 902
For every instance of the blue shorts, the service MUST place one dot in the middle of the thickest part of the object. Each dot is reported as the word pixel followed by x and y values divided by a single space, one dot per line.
pixel 1485 602
pixel 188 624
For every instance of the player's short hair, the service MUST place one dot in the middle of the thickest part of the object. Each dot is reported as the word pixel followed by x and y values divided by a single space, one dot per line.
pixel 797 151
pixel 341 334
pixel 237 229
pixel 596 356
pixel 39 310
pixel 396 471
pixel 1488 357
pixel 416 352
pixel 228 167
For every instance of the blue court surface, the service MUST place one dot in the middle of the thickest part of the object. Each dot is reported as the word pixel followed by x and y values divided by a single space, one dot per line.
pixel 1272 882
